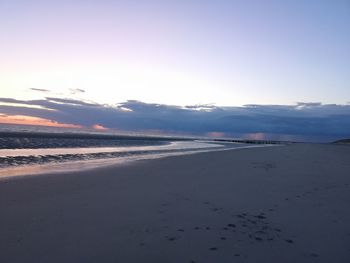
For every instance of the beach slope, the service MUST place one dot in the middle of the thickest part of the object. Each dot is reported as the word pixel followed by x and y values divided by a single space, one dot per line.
pixel 271 204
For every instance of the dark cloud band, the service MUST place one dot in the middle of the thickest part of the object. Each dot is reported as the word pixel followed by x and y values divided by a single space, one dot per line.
pixel 327 121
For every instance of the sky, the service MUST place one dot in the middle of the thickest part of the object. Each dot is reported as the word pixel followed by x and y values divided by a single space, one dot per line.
pixel 202 54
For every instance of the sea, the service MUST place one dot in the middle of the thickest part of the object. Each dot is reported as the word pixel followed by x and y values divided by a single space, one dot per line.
pixel 28 150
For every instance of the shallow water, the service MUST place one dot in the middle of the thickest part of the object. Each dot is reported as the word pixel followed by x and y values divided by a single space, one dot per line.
pixel 31 165
pixel 34 151
pixel 88 150
pixel 32 161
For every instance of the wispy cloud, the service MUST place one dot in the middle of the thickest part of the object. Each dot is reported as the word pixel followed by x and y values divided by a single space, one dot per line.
pixel 304 120
pixel 76 91
pixel 40 90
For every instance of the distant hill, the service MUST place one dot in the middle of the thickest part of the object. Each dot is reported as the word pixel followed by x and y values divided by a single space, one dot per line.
pixel 343 141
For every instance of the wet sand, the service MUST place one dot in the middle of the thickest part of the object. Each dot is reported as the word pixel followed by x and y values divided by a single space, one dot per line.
pixel 273 204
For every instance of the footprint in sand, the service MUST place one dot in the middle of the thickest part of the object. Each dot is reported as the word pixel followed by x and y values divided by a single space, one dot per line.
pixel 259 217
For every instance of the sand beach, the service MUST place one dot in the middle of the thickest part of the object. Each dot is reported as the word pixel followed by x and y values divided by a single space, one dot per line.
pixel 270 204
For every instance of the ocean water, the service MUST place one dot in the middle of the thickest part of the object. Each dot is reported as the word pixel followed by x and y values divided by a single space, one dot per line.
pixel 31 150
pixel 17 137
pixel 26 150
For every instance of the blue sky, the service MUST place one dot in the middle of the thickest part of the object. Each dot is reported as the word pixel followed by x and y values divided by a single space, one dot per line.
pixel 179 53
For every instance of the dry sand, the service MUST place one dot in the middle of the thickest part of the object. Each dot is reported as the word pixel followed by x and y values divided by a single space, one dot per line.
pixel 274 204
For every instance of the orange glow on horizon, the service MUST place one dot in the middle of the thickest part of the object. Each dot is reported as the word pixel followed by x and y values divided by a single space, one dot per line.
pixel 99 127
pixel 29 120
pixel 216 134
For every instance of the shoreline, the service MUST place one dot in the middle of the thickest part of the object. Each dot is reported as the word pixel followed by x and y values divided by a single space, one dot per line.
pixel 84 165
pixel 266 204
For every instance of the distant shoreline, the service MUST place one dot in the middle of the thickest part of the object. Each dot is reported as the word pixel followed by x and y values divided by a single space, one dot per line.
pixel 344 141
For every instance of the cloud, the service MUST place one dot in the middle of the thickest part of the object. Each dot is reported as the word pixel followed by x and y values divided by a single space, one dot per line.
pixel 29 120
pixel 40 90
pixel 303 121
pixel 76 91
pixel 99 127
pixel 70 101
pixel 309 104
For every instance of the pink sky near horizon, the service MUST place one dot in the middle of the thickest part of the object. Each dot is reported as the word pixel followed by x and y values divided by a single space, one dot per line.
pixel 30 120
